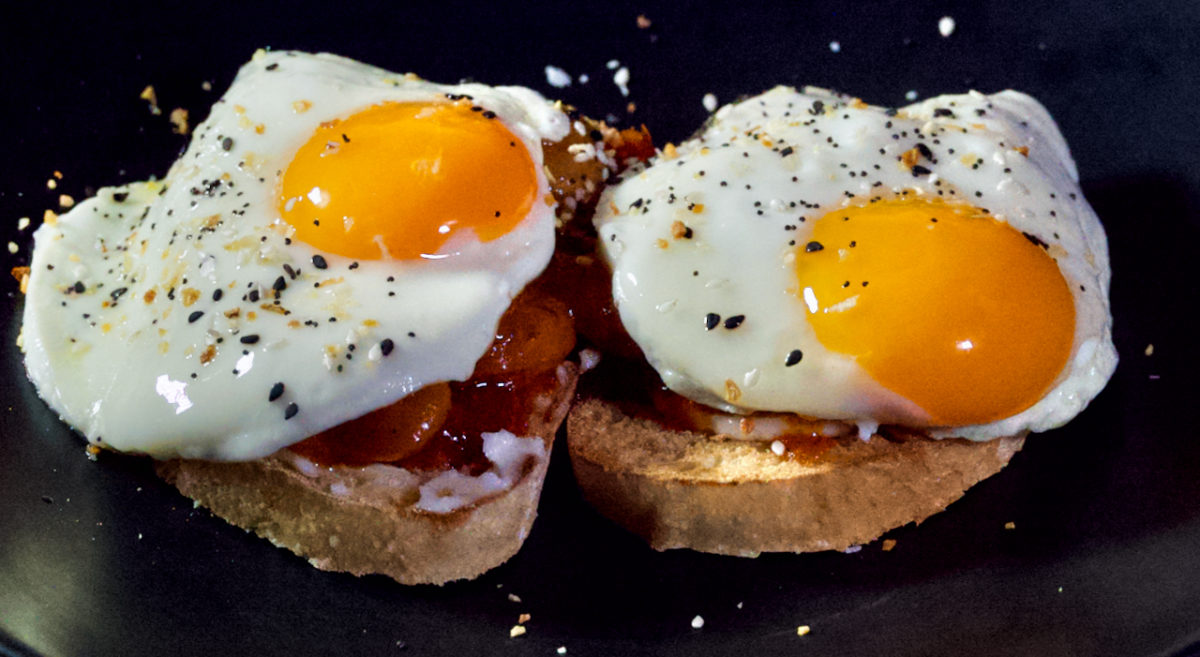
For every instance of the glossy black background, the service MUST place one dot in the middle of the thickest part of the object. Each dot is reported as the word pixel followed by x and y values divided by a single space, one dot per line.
pixel 100 558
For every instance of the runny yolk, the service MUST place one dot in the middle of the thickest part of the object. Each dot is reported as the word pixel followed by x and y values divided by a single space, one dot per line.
pixel 954 310
pixel 401 179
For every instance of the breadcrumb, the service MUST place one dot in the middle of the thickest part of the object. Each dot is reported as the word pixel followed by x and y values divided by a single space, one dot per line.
pixel 1010 525
pixel 150 97
pixel 803 630
pixel 65 200
pixel 888 544
pixel 643 22
pixel 523 618
pixel 1150 350
pixel 516 631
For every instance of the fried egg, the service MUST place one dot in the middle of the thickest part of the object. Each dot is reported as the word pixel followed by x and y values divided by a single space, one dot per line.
pixel 934 266
pixel 334 238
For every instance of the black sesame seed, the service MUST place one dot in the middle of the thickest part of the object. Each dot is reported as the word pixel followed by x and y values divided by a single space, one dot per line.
pixel 119 197
pixel 813 247
pixel 387 346
pixel 786 152
pixel 272 67
pixel 249 339
pixel 735 321
pixel 276 392
pixel 319 262
pixel 79 287
pixel 919 170
pixel 711 320
pixel 227 144
pixel 217 294
pixel 280 284
pixel 793 357
pixel 290 411
pixel 195 316
pixel 942 111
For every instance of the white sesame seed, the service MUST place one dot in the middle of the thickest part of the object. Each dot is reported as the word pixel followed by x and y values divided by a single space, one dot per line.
pixel 12 247
pixel 911 95
pixel 802 630
pixel 562 650
pixel 516 631
pixel 621 79
pixel 698 622
pixel 710 102
pixel 612 64
pixel 22 223
pixel 777 447
pixel 946 26
pixel 557 78
pixel 834 46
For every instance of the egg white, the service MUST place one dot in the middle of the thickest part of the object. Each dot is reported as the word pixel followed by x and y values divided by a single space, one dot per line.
pixel 126 339
pixel 761 164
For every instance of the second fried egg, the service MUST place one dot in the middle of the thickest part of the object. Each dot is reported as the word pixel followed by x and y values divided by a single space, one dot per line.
pixel 934 266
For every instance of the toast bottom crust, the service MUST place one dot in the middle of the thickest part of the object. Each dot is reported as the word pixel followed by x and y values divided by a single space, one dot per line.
pixel 680 489
pixel 360 527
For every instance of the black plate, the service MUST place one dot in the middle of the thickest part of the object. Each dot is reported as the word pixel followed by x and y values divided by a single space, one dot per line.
pixel 101 558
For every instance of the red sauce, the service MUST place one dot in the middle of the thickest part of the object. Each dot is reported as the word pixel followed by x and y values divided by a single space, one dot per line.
pixel 440 426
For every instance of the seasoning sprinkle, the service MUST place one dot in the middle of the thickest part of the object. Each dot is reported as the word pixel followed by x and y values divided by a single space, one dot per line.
pixel 793 357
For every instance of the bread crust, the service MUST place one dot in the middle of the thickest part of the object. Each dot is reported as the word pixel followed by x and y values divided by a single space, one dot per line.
pixel 361 529
pixel 680 489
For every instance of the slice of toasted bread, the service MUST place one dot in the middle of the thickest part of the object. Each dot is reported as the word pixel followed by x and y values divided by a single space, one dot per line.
pixel 370 520
pixel 680 489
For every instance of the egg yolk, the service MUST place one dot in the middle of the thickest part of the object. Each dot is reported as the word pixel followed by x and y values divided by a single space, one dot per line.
pixel 958 312
pixel 399 180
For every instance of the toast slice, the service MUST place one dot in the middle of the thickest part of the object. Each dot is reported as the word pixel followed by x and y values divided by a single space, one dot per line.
pixel 417 528
pixel 683 489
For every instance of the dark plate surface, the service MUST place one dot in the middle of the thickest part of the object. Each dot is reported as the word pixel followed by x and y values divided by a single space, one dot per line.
pixel 101 558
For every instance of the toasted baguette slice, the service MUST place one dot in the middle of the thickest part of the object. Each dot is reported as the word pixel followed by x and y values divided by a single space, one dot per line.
pixel 681 489
pixel 368 520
